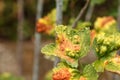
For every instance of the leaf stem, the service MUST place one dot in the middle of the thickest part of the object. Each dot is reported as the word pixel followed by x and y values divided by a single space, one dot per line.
pixel 80 14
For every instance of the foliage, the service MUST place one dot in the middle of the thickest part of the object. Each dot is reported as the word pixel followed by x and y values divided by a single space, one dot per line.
pixel 65 4
pixel 106 44
pixel 8 13
pixel 8 76
pixel 48 75
pixel 73 44
pixel 94 2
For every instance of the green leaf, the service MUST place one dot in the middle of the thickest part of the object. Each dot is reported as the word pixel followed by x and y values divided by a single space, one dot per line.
pixel 9 76
pixel 94 2
pixel 90 73
pixel 65 4
pixel 110 62
pixel 84 42
pixel 113 67
pixel 73 65
pixel 106 43
pixel 83 25
pixel 49 49
pixel 99 65
pixel 48 75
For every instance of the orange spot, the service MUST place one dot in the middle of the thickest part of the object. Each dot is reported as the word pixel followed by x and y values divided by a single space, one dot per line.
pixel 82 78
pixel 62 74
pixel 92 36
pixel 41 27
pixel 106 20
pixel 63 44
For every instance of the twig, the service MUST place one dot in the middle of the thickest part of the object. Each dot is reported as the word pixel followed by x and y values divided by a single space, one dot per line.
pixel 80 14
pixel 59 15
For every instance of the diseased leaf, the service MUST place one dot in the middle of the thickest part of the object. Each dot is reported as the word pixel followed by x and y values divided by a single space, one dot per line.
pixel 113 67
pixel 71 44
pixel 113 64
pixel 76 43
pixel 64 71
pixel 106 24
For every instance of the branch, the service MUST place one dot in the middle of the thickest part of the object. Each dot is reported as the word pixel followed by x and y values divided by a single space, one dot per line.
pixel 80 14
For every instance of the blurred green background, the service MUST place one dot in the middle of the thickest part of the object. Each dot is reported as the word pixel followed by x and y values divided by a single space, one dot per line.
pixel 9 11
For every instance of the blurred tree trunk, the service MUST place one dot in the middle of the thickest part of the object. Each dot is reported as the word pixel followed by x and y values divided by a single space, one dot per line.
pixel 118 18
pixel 37 43
pixel 20 32
pixel 59 4
pixel 89 13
